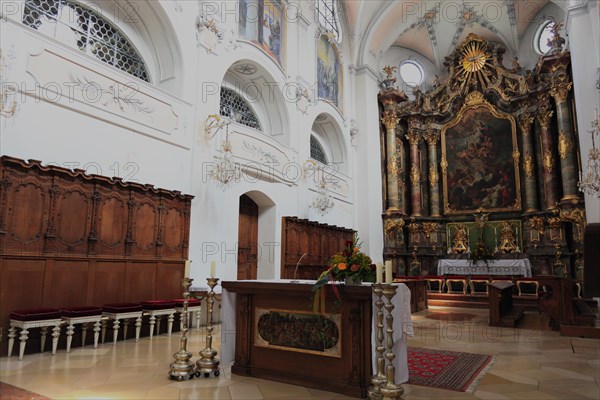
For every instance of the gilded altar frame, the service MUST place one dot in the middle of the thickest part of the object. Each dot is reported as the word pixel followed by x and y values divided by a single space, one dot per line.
pixel 498 197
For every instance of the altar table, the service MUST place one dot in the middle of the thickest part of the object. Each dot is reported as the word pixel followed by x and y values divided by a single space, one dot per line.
pixel 348 371
pixel 520 266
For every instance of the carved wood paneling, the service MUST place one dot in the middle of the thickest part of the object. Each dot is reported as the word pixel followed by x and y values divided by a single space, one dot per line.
pixel 320 241
pixel 68 239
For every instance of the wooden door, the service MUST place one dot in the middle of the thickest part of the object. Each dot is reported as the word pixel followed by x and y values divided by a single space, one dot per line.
pixel 247 239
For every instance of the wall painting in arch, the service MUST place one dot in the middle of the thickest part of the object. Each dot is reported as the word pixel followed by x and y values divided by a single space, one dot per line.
pixel 480 160
pixel 262 22
pixel 329 71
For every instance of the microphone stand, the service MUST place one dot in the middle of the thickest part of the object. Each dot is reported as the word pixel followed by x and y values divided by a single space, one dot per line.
pixel 296 270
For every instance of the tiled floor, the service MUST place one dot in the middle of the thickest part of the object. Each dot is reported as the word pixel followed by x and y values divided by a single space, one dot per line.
pixel 531 363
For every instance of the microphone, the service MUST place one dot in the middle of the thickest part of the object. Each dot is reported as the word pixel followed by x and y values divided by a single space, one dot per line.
pixel 296 270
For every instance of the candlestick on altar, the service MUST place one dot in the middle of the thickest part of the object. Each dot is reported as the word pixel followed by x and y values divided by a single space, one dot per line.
pixel 390 390
pixel 379 378
pixel 183 368
pixel 208 363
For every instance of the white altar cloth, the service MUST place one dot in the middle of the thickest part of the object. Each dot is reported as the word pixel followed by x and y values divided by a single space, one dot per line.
pixel 520 266
pixel 403 327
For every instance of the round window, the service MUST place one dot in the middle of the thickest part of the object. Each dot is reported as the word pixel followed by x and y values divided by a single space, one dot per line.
pixel 544 33
pixel 411 73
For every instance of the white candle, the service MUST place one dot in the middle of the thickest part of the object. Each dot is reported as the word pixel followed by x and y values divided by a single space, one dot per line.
pixel 186 273
pixel 388 272
pixel 379 273
pixel 213 267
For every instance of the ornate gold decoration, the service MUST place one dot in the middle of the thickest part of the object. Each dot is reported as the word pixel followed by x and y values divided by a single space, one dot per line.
pixel 392 166
pixel 413 137
pixel 561 91
pixel 414 175
pixel 528 165
pixel 393 226
pixel 564 145
pixel 545 116
pixel 460 240
pixel 431 137
pixel 474 56
pixel 429 227
pixel 444 165
pixel 390 119
pixel 516 154
pixel 548 162
pixel 577 217
pixel 433 176
pixel 508 242
pixel 525 122
pixel 536 228
pixel 475 98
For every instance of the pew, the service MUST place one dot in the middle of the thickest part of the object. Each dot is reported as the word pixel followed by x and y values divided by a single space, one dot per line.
pixel 502 311
pixel 568 313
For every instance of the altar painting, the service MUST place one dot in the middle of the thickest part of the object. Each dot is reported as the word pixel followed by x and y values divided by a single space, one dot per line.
pixel 480 162
pixel 299 331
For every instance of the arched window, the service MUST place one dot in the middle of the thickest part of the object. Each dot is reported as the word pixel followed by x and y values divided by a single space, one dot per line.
pixel 411 73
pixel 235 107
pixel 81 27
pixel 543 34
pixel 327 14
pixel 316 150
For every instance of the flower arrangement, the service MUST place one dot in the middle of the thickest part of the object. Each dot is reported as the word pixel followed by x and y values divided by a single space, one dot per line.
pixel 481 253
pixel 350 264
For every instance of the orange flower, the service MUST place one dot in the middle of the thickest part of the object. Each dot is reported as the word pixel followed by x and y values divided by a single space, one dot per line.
pixel 342 266
pixel 354 267
pixel 356 249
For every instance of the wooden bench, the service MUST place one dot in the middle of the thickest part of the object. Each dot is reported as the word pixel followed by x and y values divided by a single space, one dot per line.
pixel 502 311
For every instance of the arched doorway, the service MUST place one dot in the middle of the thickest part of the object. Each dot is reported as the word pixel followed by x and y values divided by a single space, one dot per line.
pixel 247 264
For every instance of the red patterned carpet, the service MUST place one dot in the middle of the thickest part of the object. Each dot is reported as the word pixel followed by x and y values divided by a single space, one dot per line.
pixel 10 392
pixel 448 370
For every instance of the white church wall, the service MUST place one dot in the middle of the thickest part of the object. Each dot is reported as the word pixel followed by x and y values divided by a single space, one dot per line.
pixel 396 55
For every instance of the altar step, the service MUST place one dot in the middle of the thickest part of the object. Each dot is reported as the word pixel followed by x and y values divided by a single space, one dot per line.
pixel 476 300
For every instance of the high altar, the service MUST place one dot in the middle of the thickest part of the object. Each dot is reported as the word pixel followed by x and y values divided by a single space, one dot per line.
pixel 485 163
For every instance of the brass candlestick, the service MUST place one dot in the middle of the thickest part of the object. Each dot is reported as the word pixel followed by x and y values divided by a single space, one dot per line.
pixel 390 390
pixel 379 378
pixel 183 368
pixel 207 362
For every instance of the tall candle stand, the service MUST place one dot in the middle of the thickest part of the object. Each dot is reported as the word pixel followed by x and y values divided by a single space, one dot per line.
pixel 390 390
pixel 207 362
pixel 183 368
pixel 379 378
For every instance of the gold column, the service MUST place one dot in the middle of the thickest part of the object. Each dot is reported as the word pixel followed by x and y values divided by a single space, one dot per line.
pixel 394 160
pixel 525 123
pixel 548 162
pixel 566 149
pixel 413 137
pixel 434 191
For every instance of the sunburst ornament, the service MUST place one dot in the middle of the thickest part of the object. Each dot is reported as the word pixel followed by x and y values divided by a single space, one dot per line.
pixel 474 57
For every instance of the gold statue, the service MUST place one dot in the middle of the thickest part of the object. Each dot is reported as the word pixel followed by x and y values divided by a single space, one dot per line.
pixel 508 243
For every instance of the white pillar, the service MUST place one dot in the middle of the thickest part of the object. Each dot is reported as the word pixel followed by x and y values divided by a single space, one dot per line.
pixel 367 168
pixel 583 30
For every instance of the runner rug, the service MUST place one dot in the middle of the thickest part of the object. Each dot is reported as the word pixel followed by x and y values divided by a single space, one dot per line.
pixel 10 392
pixel 448 370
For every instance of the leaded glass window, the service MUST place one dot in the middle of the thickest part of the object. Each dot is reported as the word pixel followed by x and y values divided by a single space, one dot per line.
pixel 327 15
pixel 237 109
pixel 73 24
pixel 316 150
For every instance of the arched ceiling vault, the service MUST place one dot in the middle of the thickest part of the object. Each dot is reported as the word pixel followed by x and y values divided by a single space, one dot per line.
pixel 433 28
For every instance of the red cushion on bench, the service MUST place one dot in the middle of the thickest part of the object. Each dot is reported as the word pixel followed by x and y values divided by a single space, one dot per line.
pixel 35 314
pixel 86 311
pixel 157 304
pixel 191 302
pixel 121 307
